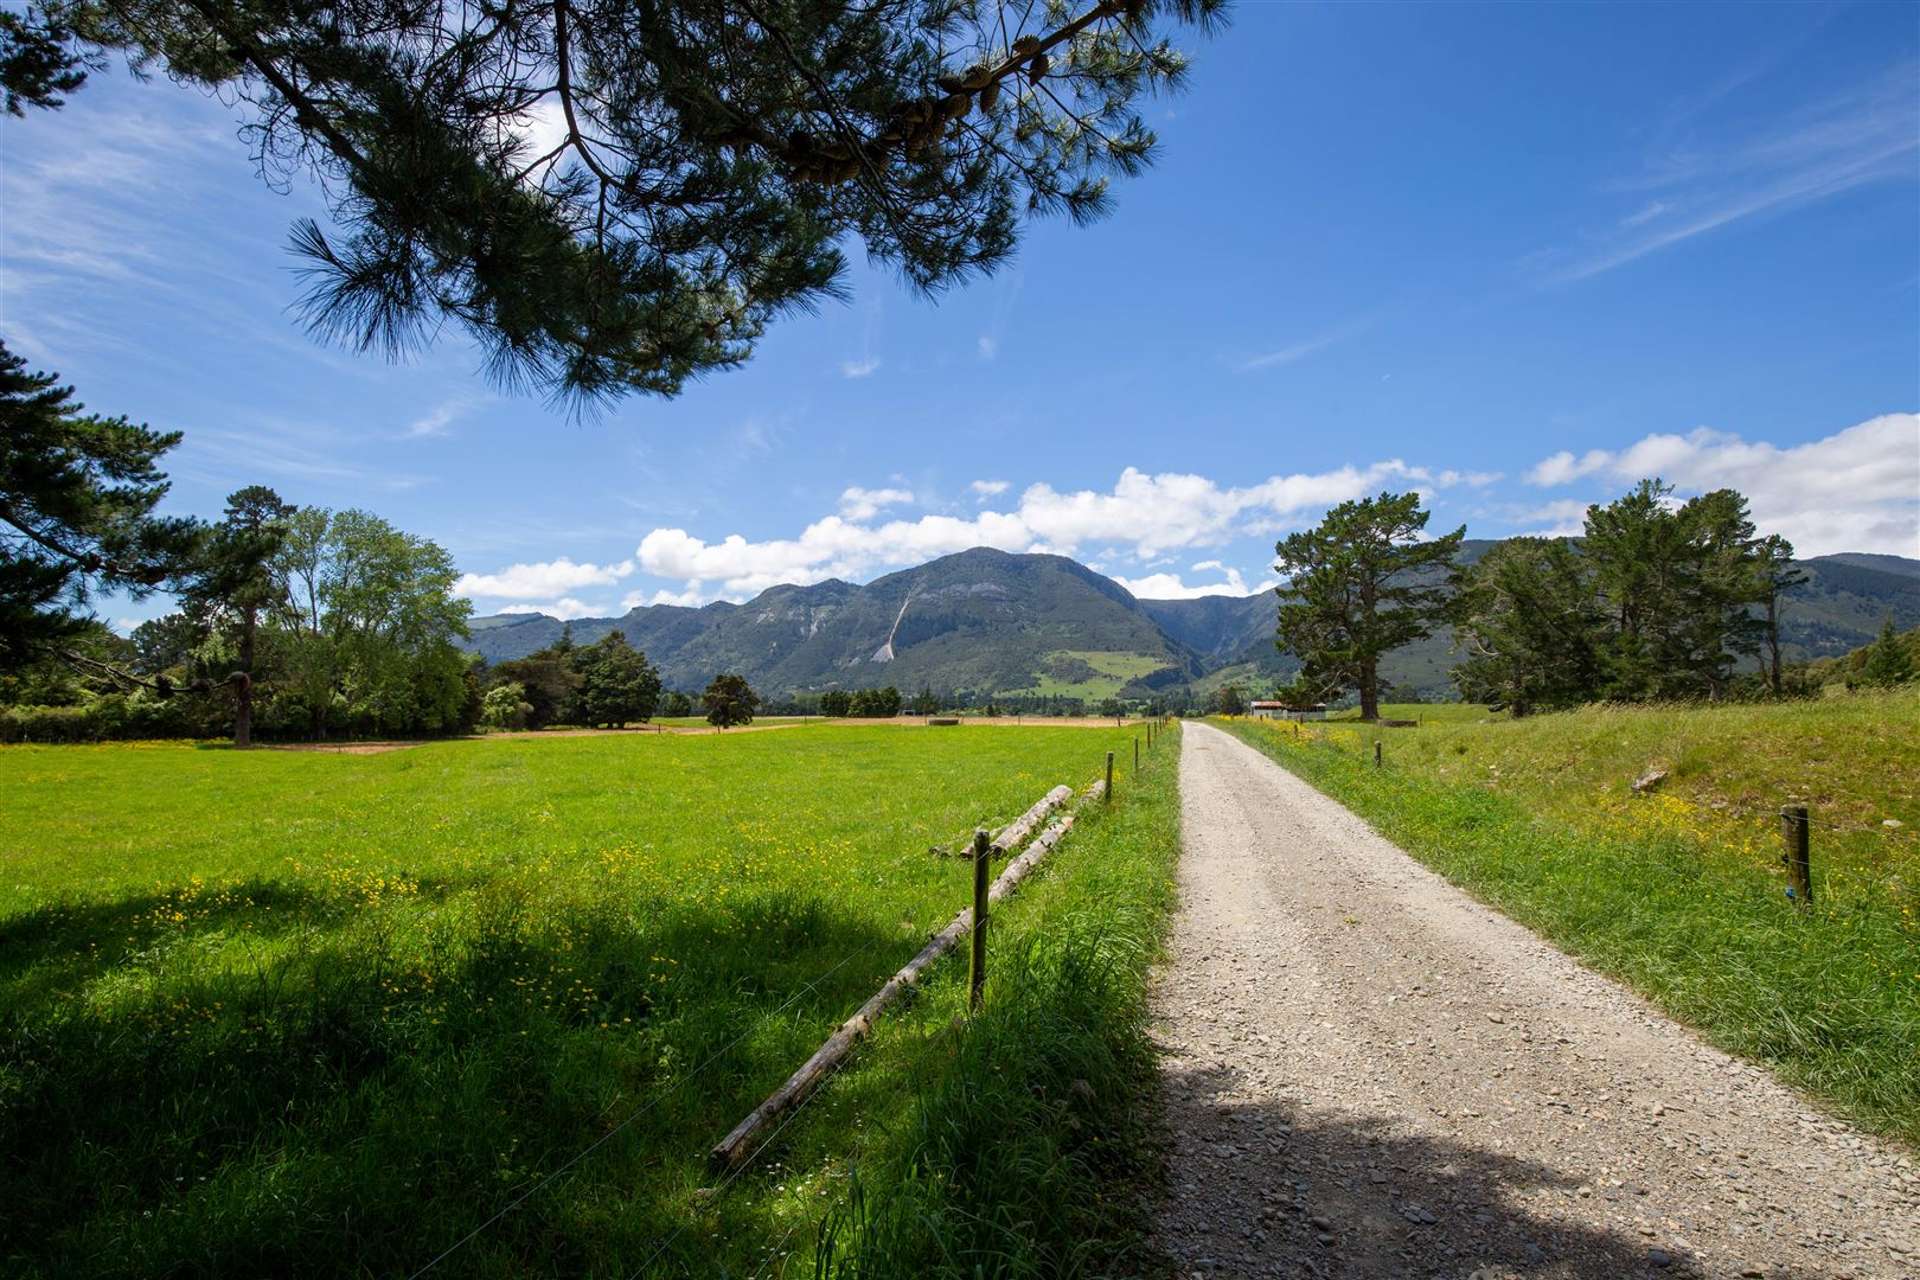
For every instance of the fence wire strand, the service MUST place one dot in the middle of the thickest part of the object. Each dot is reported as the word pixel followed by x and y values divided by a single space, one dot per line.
pixel 734 1175
pixel 638 1112
pixel 1895 836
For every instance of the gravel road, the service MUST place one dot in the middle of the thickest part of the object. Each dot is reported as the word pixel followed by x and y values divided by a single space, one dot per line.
pixel 1367 1073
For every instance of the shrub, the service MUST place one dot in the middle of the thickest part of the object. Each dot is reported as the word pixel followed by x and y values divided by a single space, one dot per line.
pixel 49 724
pixel 505 706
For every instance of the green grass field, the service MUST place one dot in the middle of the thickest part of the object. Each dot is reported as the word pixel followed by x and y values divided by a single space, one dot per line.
pixel 311 1014
pixel 1680 891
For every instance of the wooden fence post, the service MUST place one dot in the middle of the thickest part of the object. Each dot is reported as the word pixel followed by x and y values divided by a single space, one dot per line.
pixel 1798 857
pixel 1136 755
pixel 1376 753
pixel 1109 795
pixel 977 969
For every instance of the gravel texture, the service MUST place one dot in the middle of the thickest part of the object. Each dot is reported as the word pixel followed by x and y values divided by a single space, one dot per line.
pixel 1367 1073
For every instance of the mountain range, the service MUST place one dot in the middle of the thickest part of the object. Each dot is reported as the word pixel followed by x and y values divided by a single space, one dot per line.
pixel 995 623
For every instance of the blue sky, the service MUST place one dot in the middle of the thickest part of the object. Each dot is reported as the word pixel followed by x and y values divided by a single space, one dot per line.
pixel 1515 256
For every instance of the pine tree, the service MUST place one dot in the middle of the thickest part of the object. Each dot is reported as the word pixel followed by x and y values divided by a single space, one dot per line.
pixel 712 157
pixel 1634 545
pixel 77 494
pixel 37 61
pixel 1888 662
pixel 1360 585
pixel 1720 588
pixel 1531 625
pixel 1679 582
pixel 235 582
pixel 1775 574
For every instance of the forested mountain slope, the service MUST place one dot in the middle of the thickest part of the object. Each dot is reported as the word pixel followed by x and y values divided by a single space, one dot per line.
pixel 991 622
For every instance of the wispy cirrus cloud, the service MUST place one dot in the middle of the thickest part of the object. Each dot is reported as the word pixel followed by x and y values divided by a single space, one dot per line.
pixel 1850 140
pixel 867 363
pixel 439 420
pixel 1295 352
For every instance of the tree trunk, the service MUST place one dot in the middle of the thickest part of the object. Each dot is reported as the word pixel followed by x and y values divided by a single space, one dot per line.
pixel 1773 640
pixel 243 687
pixel 1370 692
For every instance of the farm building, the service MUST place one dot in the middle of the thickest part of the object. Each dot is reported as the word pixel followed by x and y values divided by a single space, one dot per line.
pixel 1268 710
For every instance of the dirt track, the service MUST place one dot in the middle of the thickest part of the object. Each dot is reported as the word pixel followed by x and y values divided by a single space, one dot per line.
pixel 1369 1074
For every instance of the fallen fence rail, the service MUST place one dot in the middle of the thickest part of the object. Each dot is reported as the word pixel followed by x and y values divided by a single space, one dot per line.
pixel 735 1149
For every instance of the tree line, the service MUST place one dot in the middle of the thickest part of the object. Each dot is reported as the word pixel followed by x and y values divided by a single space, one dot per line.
pixel 1656 599
pixel 607 684
pixel 870 703
pixel 293 622
pixel 305 620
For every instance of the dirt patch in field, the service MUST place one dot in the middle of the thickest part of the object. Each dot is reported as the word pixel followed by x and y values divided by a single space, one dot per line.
pixel 350 748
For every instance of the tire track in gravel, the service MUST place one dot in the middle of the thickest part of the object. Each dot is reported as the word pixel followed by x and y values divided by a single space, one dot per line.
pixel 1367 1073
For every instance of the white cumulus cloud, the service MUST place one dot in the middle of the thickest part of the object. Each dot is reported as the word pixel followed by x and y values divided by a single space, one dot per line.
pixel 692 597
pixel 1564 468
pixel 542 580
pixel 567 607
pixel 864 504
pixel 1143 515
pixel 1171 586
pixel 985 489
pixel 1855 490
pixel 1565 518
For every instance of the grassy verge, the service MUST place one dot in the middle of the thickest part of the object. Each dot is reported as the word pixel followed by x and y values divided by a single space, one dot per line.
pixel 1679 891
pixel 1025 1150
pixel 312 1014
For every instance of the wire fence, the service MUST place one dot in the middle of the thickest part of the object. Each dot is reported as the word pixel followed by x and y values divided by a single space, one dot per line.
pixel 644 1109
pixel 713 1195
pixel 1869 862
pixel 775 1254
pixel 719 1189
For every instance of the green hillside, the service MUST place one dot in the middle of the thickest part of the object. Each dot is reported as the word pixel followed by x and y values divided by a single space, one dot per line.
pixel 983 620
